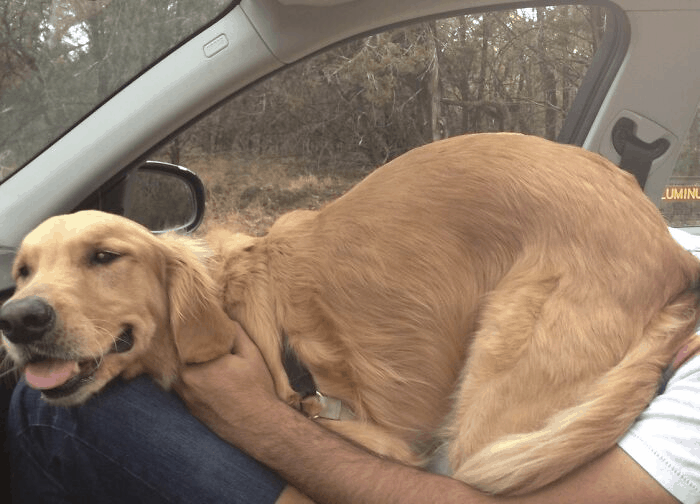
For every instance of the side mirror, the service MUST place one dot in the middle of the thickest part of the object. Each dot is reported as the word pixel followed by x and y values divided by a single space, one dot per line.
pixel 164 197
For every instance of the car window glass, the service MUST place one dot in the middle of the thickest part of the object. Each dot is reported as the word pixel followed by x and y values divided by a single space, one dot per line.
pixel 309 133
pixel 680 201
pixel 60 58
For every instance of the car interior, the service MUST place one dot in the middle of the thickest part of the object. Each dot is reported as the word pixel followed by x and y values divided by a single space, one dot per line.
pixel 635 105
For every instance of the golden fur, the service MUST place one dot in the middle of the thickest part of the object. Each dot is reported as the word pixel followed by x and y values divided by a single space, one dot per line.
pixel 512 297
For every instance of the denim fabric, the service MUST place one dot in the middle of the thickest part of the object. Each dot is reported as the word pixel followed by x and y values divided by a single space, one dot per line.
pixel 132 443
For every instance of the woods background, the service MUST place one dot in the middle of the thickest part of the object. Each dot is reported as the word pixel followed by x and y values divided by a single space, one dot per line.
pixel 376 97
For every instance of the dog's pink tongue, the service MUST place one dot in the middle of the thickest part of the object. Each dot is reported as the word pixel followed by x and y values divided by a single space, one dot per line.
pixel 50 373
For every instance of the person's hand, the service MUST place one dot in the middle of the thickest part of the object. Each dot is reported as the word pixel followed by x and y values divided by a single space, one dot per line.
pixel 229 391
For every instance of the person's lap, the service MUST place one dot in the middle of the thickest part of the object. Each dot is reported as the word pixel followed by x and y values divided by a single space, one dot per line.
pixel 131 443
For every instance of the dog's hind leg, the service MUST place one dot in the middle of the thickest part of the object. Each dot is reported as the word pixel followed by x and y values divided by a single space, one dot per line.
pixel 498 387
pixel 546 418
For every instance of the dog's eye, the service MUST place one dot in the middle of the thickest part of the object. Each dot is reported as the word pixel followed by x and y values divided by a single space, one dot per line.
pixel 23 271
pixel 104 257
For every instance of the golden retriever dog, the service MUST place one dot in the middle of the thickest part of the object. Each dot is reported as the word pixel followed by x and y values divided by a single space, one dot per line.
pixel 511 298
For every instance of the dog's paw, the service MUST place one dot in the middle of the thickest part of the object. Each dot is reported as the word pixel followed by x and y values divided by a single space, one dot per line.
pixel 293 399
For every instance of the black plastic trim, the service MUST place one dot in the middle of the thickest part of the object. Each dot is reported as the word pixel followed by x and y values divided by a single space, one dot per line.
pixel 192 180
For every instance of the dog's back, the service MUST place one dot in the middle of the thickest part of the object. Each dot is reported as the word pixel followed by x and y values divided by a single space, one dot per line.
pixel 492 280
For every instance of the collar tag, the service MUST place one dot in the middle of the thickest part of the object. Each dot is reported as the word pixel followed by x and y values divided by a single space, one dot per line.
pixel 332 408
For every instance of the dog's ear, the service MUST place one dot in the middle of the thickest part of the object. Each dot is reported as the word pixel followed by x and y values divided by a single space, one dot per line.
pixel 201 329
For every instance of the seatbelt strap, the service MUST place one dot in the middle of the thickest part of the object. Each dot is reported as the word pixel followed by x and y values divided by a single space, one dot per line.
pixel 299 376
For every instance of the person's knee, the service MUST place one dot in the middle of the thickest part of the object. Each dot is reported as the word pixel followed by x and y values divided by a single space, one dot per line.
pixel 136 438
pixel 41 424
pixel 23 404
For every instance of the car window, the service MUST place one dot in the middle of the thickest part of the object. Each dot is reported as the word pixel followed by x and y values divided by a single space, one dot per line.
pixel 59 59
pixel 309 133
pixel 680 201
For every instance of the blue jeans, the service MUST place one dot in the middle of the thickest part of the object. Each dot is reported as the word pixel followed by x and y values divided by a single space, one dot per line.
pixel 131 443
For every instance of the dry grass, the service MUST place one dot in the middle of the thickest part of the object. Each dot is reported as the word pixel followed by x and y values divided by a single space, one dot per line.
pixel 250 194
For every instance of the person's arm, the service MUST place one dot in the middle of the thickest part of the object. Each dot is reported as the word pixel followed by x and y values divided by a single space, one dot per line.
pixel 234 396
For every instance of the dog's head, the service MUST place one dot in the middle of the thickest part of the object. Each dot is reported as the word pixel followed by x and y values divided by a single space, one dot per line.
pixel 98 296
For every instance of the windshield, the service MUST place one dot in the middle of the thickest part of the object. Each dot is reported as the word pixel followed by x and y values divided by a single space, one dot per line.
pixel 59 59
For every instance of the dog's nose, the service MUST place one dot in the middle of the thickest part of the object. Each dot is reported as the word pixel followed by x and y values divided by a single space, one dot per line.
pixel 26 320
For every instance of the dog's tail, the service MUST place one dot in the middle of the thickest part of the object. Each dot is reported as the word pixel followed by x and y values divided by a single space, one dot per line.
pixel 522 463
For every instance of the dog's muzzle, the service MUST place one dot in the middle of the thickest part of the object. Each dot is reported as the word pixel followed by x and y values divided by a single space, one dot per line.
pixel 28 323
